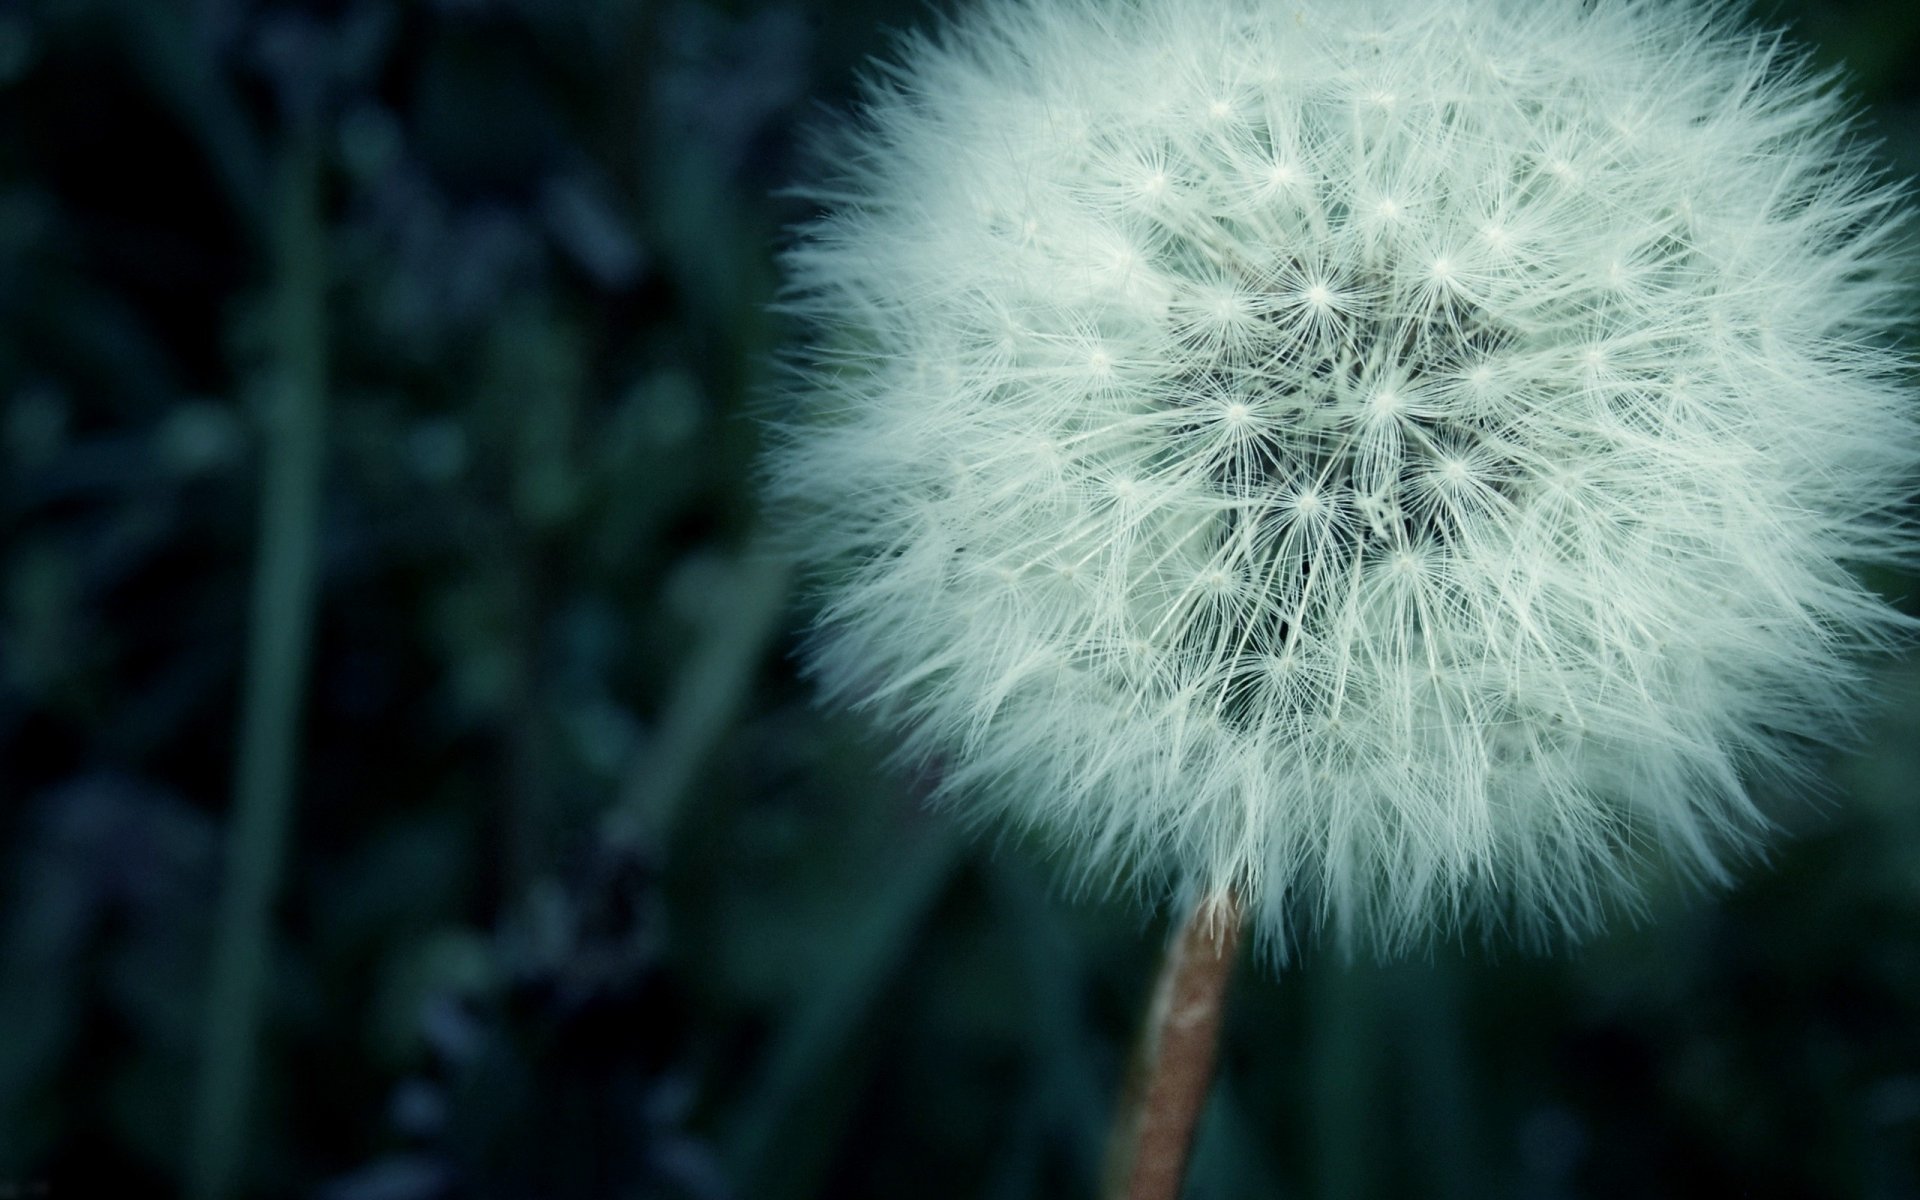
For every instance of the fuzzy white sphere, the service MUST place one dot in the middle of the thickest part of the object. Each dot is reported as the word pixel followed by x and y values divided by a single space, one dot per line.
pixel 1399 460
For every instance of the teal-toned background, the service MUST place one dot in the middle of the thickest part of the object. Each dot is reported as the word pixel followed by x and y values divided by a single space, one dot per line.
pixel 450 317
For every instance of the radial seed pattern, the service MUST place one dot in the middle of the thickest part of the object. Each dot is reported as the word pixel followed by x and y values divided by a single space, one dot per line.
pixel 1398 460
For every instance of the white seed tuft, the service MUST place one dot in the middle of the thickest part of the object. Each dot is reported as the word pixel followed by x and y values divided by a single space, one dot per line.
pixel 1402 461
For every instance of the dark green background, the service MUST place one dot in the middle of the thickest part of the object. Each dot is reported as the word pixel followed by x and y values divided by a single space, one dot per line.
pixel 537 242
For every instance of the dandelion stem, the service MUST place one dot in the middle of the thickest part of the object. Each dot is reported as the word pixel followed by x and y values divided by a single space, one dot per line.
pixel 1173 1061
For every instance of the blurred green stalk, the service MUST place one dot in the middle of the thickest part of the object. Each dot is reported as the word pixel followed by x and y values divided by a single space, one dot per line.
pixel 706 699
pixel 293 419
pixel 838 1008
pixel 1344 1032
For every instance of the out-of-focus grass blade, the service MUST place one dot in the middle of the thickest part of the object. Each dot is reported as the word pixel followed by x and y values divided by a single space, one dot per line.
pixel 161 45
pixel 1341 1073
pixel 1065 1054
pixel 1230 1155
pixel 1442 1099
pixel 847 984
pixel 286 594
pixel 707 696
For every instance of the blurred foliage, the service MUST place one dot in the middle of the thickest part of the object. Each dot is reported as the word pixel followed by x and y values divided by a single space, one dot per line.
pixel 584 898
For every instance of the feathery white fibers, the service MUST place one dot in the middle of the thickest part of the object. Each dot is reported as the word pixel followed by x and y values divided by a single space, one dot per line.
pixel 1399 460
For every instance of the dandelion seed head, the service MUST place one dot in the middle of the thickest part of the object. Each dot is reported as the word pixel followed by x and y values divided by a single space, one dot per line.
pixel 1367 455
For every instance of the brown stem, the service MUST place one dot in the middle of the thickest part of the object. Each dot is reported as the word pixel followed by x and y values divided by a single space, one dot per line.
pixel 1173 1065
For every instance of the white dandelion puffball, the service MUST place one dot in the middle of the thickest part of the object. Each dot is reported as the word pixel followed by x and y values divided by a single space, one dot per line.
pixel 1400 461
